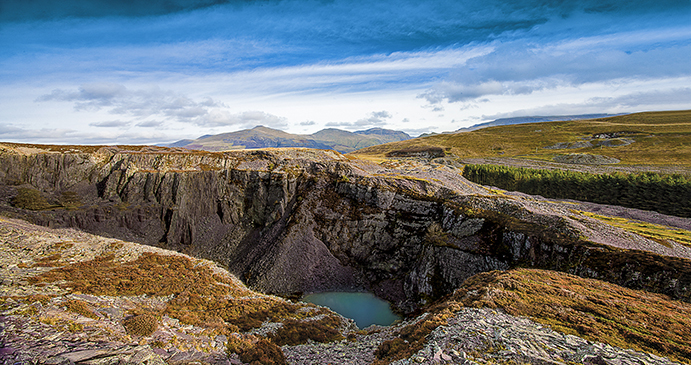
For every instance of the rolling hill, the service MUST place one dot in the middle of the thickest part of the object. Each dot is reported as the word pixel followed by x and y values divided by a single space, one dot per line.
pixel 651 138
pixel 533 119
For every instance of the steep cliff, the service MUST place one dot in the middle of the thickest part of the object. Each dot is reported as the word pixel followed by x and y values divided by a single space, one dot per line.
pixel 297 220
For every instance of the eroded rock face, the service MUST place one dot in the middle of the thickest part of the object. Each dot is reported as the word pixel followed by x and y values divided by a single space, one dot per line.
pixel 288 221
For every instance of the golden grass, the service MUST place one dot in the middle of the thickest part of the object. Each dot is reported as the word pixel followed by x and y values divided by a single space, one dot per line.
pixel 80 307
pixel 662 138
pixel 253 350
pixel 295 332
pixel 141 325
pixel 592 309
pixel 150 274
pixel 200 297
pixel 49 261
pixel 656 232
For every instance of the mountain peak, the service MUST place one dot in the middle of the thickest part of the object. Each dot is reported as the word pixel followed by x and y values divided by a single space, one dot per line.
pixel 265 137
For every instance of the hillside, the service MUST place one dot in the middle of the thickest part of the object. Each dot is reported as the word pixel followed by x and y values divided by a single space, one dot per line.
pixel 257 137
pixel 532 119
pixel 654 138
pixel 263 137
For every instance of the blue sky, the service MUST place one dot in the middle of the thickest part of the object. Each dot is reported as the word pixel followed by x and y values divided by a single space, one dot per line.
pixel 113 71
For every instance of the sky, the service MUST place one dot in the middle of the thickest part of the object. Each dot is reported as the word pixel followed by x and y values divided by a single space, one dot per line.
pixel 157 71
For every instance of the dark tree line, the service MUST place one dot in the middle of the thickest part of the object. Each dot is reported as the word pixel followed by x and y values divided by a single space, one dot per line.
pixel 667 194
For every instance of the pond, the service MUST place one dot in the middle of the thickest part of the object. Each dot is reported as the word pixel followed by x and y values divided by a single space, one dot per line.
pixel 364 308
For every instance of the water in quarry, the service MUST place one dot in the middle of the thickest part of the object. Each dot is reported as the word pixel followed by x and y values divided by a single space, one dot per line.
pixel 364 308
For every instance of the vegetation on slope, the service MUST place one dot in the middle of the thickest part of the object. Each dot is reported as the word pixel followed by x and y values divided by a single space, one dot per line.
pixel 659 233
pixel 588 308
pixel 201 298
pixel 592 309
pixel 667 194
pixel 661 138
pixel 31 199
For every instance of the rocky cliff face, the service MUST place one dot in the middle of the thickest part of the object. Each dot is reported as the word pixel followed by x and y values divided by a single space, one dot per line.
pixel 288 221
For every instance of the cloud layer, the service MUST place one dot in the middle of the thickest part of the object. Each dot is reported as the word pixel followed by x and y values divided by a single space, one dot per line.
pixel 181 67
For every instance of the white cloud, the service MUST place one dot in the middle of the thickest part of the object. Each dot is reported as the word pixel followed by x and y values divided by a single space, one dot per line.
pixel 111 124
pixel 669 99
pixel 139 104
pixel 12 133
pixel 155 102
pixel 150 124
pixel 222 118
pixel 374 119
pixel 524 66
pixel 414 132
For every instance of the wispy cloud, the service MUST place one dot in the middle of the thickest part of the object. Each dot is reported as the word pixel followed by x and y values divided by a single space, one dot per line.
pixel 374 119
pixel 157 108
pixel 110 124
pixel 524 66
pixel 135 103
pixel 630 102
pixel 150 124
pixel 222 118
pixel 72 136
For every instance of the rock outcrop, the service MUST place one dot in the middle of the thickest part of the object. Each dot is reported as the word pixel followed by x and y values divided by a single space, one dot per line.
pixel 295 220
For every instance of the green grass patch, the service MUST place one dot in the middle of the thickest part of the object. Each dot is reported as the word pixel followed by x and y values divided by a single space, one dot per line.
pixel 656 232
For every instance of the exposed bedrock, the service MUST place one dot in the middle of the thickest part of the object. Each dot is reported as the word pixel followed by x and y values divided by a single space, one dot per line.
pixel 308 221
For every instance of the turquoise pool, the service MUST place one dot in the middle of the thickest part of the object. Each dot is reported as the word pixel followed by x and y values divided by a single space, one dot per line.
pixel 365 308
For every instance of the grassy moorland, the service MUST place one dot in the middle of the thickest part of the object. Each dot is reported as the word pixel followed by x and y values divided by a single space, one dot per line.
pixel 660 138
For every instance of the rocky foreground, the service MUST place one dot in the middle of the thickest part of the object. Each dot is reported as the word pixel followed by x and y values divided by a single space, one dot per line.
pixel 65 299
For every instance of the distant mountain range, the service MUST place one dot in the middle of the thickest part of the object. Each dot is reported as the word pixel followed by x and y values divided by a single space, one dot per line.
pixel 264 137
pixel 534 119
